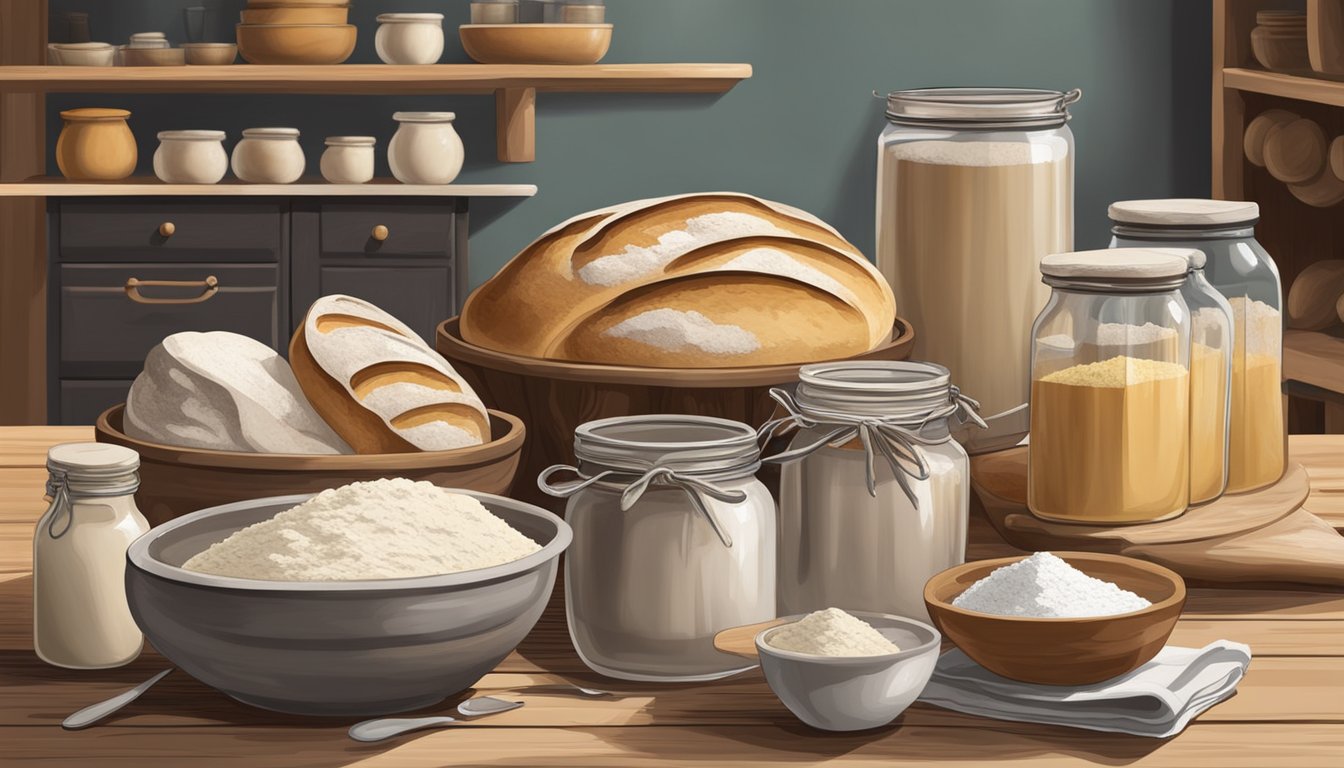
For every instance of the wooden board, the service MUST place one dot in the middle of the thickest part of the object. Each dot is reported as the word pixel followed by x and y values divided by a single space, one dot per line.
pixel 1314 358
pixel 1300 87
pixel 139 186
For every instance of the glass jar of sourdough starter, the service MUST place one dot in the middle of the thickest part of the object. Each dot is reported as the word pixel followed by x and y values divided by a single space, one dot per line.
pixel 1110 389
pixel 1240 269
pixel 674 541
pixel 80 616
pixel 874 492
pixel 974 186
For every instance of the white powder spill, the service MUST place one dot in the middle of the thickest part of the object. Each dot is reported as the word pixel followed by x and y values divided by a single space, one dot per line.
pixel 1044 586
pixel 674 330
pixel 637 261
pixel 831 632
pixel 778 262
pixel 978 154
pixel 383 529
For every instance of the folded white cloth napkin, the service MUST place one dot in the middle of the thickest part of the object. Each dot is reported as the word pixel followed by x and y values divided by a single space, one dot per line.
pixel 1157 700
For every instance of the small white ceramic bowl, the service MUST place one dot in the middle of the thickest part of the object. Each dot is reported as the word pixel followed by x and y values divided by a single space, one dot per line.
pixel 409 38
pixel 81 54
pixel 853 693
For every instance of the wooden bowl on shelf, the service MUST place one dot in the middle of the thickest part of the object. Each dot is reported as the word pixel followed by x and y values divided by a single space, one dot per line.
pixel 210 54
pixel 296 14
pixel 536 43
pixel 1281 49
pixel 1061 651
pixel 153 57
pixel 176 480
pixel 554 397
pixel 296 43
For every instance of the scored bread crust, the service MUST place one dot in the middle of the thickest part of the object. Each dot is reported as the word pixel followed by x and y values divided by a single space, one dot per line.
pixel 379 385
pixel 552 289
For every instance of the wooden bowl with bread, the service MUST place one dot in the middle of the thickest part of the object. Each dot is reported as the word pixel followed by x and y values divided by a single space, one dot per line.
pixel 694 304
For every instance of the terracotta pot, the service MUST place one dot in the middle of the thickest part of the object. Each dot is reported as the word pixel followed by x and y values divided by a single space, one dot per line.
pixel 96 145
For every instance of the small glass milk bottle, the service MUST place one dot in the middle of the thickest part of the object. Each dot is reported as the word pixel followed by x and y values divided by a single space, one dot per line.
pixel 80 616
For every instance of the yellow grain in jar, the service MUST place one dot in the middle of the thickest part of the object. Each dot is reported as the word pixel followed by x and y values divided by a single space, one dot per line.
pixel 1208 422
pixel 1257 450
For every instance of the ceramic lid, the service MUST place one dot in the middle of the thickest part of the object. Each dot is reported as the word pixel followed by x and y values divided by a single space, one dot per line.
pixel 351 141
pixel 192 135
pixel 271 133
pixel 424 117
pixel 149 36
pixel 82 457
pixel 393 18
pixel 1184 212
pixel 95 113
pixel 1120 263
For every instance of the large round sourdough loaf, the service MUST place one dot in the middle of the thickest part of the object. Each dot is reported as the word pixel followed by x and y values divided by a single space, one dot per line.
pixel 702 281
pixel 379 385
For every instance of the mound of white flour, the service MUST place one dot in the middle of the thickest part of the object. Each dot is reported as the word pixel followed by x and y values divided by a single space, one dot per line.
pixel 1045 586
pixel 831 632
pixel 383 529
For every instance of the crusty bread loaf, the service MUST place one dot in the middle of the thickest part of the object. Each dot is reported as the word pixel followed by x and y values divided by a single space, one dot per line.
pixel 704 281
pixel 379 385
pixel 224 392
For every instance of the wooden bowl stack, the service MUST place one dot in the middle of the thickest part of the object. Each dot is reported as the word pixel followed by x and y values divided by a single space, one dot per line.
pixel 296 32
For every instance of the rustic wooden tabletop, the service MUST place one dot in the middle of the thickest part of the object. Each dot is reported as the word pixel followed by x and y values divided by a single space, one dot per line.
pixel 1289 710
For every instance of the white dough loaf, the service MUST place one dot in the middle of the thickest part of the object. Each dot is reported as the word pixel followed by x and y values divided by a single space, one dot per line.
pixel 379 385
pixel 221 391
pixel 700 281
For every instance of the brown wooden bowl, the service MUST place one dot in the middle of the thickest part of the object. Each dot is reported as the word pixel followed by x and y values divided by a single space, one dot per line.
pixel 1061 651
pixel 175 480
pixel 296 43
pixel 554 397
pixel 536 43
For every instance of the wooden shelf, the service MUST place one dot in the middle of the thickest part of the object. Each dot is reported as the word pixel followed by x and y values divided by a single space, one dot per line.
pixel 515 86
pixel 1300 87
pixel 1314 358
pixel 140 186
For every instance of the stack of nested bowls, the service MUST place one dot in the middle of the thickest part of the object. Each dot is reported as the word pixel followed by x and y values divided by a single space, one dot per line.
pixel 296 32
pixel 1279 40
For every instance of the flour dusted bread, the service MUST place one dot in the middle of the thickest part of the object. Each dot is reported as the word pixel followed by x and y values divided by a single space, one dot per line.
pixel 379 385
pixel 706 280
pixel 224 392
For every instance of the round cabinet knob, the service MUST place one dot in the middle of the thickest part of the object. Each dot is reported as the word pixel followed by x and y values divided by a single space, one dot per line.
pixel 167 228
pixel 380 233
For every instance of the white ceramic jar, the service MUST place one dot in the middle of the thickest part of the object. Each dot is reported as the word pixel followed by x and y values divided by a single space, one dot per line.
pixel 269 156
pixel 149 40
pixel 425 148
pixel 191 157
pixel 409 38
pixel 674 541
pixel 348 159
pixel 80 616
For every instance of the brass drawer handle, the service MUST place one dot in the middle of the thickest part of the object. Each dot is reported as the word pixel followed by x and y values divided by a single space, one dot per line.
pixel 380 233
pixel 209 286
pixel 166 229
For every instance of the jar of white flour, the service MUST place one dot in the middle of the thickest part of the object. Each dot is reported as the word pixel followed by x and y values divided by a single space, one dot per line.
pixel 674 541
pixel 874 492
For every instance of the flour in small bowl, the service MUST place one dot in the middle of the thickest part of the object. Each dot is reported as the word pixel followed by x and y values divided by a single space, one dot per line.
pixel 382 529
pixel 1045 586
pixel 831 632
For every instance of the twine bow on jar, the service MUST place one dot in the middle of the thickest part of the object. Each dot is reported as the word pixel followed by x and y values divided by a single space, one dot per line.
pixel 894 436
pixel 635 484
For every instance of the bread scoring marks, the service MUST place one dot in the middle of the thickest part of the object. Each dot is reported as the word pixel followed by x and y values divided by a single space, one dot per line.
pixel 638 261
pixel 772 261
pixel 674 330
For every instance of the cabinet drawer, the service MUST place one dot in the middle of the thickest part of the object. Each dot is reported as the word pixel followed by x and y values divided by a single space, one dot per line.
pixel 413 231
pixel 106 330
pixel 82 402
pixel 219 230
pixel 420 297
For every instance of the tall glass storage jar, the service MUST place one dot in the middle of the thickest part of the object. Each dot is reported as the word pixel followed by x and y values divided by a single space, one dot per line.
pixel 1243 271
pixel 674 541
pixel 974 186
pixel 1110 389
pixel 874 492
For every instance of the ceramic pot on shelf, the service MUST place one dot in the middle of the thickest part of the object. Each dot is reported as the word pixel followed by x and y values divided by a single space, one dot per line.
pixel 96 144
pixel 191 157
pixel 425 149
pixel 269 156
pixel 409 38
pixel 348 159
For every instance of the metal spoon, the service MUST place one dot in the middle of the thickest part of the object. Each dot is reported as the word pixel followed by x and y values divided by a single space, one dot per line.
pixel 387 727
pixel 96 712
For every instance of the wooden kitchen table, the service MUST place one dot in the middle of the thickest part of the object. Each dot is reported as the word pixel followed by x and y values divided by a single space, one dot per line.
pixel 1289 710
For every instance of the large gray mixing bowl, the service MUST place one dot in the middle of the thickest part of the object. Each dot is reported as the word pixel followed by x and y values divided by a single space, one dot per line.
pixel 336 648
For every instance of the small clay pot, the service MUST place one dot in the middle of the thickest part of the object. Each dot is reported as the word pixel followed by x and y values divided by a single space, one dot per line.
pixel 96 145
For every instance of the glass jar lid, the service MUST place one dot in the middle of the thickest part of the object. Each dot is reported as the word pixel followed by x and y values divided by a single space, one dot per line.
pixel 1190 213
pixel 874 388
pixel 271 133
pixel 191 135
pixel 688 444
pixel 981 108
pixel 424 117
pixel 1118 269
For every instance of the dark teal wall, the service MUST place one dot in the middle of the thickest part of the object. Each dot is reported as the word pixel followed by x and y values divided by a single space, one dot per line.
pixel 802 130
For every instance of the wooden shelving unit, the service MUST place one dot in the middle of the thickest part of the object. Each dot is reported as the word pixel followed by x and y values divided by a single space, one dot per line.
pixel 1300 87
pixel 49 186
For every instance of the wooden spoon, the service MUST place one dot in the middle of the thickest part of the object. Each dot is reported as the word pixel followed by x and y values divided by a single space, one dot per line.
pixel 741 641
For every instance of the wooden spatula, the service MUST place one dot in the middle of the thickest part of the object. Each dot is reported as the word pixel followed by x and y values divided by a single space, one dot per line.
pixel 741 641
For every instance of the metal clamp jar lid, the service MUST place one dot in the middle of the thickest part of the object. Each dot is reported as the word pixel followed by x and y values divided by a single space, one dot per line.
pixel 982 108
pixel 630 454
pixel 1118 270
pixel 87 470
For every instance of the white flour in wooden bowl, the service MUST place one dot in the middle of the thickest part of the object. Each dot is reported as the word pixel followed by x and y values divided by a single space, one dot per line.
pixel 1045 586
pixel 382 529
pixel 831 632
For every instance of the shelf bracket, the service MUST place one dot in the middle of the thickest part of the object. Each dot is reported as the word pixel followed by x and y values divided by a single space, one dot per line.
pixel 516 124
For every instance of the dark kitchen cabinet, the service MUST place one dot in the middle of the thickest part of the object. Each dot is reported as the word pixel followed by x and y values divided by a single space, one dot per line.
pixel 126 272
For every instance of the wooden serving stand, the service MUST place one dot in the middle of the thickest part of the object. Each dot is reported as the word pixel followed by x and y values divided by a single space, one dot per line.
pixel 1266 537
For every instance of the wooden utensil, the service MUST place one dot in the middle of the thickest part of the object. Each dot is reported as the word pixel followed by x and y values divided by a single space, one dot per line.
pixel 1311 300
pixel 741 641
